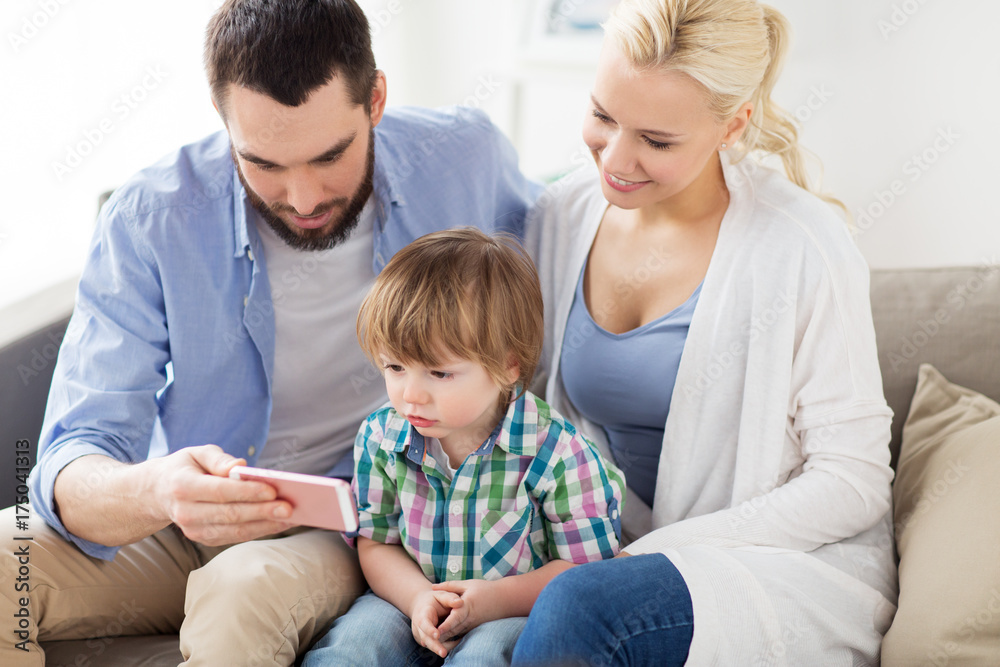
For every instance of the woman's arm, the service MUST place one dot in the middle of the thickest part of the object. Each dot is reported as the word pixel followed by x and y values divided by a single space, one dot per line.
pixel 834 498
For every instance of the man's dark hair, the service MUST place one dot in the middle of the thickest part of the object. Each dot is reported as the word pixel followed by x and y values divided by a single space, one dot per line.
pixel 286 49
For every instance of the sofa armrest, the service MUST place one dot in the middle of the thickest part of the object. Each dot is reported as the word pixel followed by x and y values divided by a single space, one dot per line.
pixel 30 334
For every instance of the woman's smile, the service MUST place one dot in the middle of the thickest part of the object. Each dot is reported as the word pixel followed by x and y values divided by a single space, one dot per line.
pixel 621 185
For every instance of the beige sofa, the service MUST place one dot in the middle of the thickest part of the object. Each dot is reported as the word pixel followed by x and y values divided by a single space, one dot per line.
pixel 943 325
pixel 949 318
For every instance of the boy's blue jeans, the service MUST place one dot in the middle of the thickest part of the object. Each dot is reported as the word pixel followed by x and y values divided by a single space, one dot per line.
pixel 373 632
pixel 631 611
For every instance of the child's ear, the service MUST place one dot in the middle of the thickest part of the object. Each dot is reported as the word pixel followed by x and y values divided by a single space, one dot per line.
pixel 513 370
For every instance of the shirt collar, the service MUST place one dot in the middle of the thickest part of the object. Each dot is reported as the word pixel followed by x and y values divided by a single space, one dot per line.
pixel 241 216
pixel 412 442
pixel 415 445
pixel 385 190
pixel 519 427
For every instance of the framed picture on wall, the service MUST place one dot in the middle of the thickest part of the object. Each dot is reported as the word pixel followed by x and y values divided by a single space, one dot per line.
pixel 565 32
pixel 568 17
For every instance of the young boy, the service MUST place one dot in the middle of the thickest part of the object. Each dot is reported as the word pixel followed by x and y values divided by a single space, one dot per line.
pixel 472 493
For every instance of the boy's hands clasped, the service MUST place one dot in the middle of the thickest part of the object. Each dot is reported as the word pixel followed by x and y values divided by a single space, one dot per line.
pixel 448 610
pixel 429 608
pixel 474 606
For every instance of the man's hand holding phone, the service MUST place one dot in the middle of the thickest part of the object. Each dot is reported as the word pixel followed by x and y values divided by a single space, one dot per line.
pixel 317 501
pixel 197 494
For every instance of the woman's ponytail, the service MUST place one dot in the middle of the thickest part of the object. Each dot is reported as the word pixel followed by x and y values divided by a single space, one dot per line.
pixel 772 129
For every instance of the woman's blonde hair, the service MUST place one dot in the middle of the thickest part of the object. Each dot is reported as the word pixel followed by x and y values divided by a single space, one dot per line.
pixel 735 49
pixel 462 292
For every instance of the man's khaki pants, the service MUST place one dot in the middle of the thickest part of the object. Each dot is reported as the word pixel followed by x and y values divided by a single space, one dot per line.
pixel 256 603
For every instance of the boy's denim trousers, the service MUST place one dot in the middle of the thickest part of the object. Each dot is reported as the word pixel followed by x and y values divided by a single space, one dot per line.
pixel 373 632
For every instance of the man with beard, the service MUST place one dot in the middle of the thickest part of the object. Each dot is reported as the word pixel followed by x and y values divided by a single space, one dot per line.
pixel 214 326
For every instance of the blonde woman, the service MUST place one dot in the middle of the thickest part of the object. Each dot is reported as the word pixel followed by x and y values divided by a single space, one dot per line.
pixel 708 323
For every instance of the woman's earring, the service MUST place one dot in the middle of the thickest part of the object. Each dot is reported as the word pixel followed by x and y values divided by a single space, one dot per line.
pixel 723 146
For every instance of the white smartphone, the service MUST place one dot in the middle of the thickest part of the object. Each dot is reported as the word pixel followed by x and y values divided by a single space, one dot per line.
pixel 317 501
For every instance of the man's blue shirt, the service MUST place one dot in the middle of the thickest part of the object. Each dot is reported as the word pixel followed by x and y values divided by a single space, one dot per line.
pixel 171 343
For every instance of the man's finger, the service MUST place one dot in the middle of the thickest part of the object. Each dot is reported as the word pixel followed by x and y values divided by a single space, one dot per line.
pixel 214 535
pixel 214 460
pixel 212 489
pixel 189 515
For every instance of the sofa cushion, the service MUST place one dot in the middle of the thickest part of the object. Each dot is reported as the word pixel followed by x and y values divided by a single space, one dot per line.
pixel 948 317
pixel 947 501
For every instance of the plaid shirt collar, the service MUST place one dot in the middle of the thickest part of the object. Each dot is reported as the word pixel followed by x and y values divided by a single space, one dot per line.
pixel 413 443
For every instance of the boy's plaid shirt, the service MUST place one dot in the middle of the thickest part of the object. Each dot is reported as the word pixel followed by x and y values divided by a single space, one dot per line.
pixel 536 490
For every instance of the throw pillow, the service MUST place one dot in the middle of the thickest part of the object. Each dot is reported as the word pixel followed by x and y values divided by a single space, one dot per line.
pixel 947 519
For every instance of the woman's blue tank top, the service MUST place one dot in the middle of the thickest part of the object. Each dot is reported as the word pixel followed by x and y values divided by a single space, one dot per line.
pixel 623 382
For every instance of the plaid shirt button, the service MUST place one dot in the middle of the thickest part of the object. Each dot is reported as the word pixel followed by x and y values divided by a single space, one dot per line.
pixel 454 567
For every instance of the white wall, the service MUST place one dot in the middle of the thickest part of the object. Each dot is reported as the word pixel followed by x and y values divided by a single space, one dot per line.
pixel 116 83
pixel 65 66
pixel 914 86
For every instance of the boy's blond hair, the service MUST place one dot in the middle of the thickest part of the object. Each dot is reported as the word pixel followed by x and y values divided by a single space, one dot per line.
pixel 462 292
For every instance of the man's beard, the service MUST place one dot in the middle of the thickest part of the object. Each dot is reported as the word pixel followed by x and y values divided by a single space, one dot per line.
pixel 316 239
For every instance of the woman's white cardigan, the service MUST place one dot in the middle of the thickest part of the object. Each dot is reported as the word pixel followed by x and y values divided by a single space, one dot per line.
pixel 773 490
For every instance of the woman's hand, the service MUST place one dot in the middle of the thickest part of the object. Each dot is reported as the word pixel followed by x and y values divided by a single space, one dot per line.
pixel 472 609
pixel 429 607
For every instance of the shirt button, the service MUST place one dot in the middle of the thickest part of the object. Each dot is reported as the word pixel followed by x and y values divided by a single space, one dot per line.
pixel 251 451
pixel 453 567
pixel 381 260
pixel 245 299
pixel 250 253
pixel 614 514
pixel 456 508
